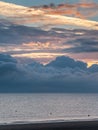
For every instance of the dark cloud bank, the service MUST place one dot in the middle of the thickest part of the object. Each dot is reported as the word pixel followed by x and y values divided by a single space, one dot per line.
pixel 64 74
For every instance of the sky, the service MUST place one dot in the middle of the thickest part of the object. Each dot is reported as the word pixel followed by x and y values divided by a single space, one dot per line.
pixel 41 2
pixel 49 43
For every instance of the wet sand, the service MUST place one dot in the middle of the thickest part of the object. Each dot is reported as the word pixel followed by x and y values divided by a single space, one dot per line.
pixel 70 125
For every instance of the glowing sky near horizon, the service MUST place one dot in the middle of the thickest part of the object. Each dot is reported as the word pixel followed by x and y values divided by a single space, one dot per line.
pixel 71 15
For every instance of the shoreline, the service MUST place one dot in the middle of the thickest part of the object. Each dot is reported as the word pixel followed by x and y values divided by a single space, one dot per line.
pixel 58 125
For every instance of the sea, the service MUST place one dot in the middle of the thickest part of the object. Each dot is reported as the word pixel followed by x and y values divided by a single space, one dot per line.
pixel 21 108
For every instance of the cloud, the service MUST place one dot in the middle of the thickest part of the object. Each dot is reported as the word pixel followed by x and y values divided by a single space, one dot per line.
pixel 13 10
pixel 82 49
pixel 8 66
pixel 18 34
pixel 7 58
pixel 79 9
pixel 87 45
pixel 64 74
pixel 44 45
pixel 88 41
pixel 25 15
pixel 63 62
pixel 93 68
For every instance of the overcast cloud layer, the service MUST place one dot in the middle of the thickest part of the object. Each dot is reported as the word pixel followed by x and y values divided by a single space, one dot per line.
pixel 64 74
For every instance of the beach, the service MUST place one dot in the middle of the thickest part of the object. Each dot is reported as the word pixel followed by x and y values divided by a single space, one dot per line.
pixel 62 125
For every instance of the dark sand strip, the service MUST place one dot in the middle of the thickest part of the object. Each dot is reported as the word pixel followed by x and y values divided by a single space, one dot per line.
pixel 72 125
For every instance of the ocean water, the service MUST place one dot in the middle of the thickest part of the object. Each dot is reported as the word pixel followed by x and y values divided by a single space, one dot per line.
pixel 44 107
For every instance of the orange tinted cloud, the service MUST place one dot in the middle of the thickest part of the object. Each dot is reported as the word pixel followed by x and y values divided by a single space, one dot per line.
pixel 80 10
